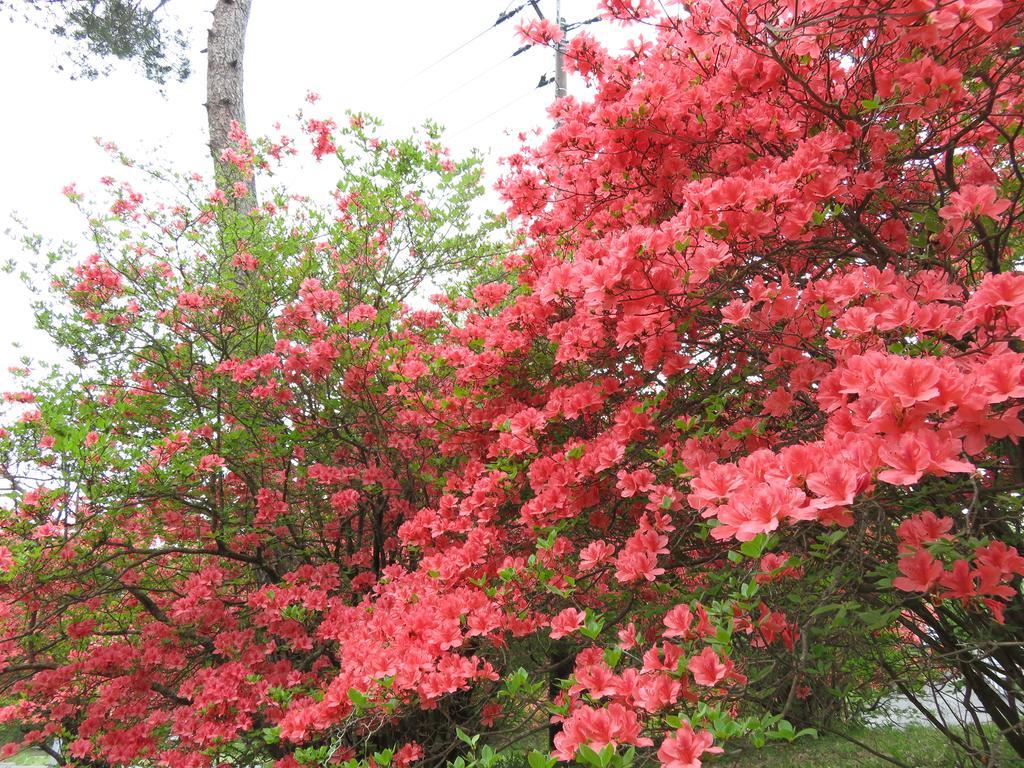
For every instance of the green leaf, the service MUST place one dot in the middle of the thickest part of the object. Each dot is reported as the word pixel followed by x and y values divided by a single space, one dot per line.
pixel 465 737
pixel 612 656
pixel 593 627
pixel 516 680
pixel 755 546
pixel 588 756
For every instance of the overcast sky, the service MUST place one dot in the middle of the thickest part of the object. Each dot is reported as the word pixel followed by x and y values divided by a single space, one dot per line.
pixel 365 56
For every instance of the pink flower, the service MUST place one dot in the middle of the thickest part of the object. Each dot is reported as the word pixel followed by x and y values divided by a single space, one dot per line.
pixel 627 636
pixel 920 572
pixel 1001 557
pixel 959 582
pixel 320 130
pixel 594 554
pixel 836 485
pixel 982 12
pixel 707 668
pixel 759 510
pixel 918 453
pixel 632 483
pixel 683 750
pixel 566 622
pixel 540 31
pixel 211 461
pixel 913 381
pixel 973 200
pixel 597 728
pixel 636 565
pixel 736 311
pixel 245 260
pixel 1003 290
pixel 407 754
pixel 922 529
pixel 678 621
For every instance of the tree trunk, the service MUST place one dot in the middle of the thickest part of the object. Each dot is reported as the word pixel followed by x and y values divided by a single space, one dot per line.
pixel 225 103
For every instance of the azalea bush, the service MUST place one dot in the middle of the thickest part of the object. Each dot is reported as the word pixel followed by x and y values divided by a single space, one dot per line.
pixel 224 451
pixel 724 446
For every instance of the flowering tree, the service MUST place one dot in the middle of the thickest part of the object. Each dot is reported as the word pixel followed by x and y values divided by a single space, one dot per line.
pixel 733 444
pixel 226 455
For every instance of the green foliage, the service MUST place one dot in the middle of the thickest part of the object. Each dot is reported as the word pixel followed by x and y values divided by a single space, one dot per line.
pixel 95 32
pixel 917 746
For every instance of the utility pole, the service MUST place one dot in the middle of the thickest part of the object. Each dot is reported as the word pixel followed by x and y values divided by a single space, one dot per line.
pixel 560 87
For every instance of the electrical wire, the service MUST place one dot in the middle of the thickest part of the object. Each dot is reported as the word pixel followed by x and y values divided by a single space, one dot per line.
pixel 505 15
pixel 476 77
pixel 577 24
pixel 500 109
pixel 449 54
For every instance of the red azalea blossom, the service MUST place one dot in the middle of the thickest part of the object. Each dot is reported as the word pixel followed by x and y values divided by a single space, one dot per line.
pixel 684 748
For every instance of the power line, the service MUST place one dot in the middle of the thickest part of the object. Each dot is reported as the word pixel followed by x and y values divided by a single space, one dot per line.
pixel 476 77
pixel 450 53
pixel 576 24
pixel 505 15
pixel 500 109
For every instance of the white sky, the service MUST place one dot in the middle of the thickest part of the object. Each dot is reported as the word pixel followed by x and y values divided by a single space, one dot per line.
pixel 356 55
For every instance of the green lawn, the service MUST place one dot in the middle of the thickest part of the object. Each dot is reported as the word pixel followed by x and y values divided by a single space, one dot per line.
pixel 916 746
pixel 30 757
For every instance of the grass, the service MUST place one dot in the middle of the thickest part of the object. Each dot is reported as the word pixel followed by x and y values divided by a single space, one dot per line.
pixel 915 746
pixel 29 757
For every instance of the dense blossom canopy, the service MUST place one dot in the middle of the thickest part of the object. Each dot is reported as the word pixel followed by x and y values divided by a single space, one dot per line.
pixel 745 393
